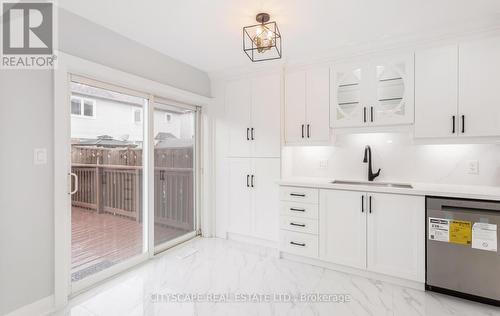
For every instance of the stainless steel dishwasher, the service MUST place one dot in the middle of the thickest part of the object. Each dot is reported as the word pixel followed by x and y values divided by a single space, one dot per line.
pixel 462 258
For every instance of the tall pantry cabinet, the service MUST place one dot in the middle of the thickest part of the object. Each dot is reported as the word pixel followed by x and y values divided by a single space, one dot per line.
pixel 253 117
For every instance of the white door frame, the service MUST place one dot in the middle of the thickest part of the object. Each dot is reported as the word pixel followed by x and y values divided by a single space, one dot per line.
pixel 70 65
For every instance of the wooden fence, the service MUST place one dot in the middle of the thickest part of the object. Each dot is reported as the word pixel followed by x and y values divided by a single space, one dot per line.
pixel 117 188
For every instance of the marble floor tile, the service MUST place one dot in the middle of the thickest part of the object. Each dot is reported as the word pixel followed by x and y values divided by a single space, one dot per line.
pixel 251 280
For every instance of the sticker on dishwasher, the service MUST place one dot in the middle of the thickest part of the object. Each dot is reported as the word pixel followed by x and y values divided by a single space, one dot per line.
pixel 439 229
pixel 484 236
pixel 460 232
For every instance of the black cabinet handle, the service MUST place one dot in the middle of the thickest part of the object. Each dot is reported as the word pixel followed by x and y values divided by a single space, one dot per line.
pixel 253 138
pixel 252 177
pixel 248 178
pixel 463 124
pixel 362 204
pixel 371 113
pixel 302 130
pixel 298 194
pixel 364 114
pixel 248 137
pixel 300 225
pixel 453 122
pixel 370 202
pixel 308 131
pixel 297 209
pixel 297 244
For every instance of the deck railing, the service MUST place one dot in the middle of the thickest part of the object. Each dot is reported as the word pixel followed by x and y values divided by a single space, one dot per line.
pixel 117 189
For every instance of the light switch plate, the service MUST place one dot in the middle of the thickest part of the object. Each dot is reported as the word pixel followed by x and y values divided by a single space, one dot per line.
pixel 323 164
pixel 40 156
pixel 473 167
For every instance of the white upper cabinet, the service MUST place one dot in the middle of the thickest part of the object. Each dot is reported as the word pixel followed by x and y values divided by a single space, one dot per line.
pixel 436 92
pixel 479 86
pixel 307 105
pixel 253 108
pixel 238 116
pixel 265 130
pixel 318 104
pixel 393 90
pixel 456 90
pixel 377 92
pixel 348 100
pixel 295 106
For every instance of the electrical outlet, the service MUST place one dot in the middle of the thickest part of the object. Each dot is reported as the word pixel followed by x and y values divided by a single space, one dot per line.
pixel 473 167
pixel 323 164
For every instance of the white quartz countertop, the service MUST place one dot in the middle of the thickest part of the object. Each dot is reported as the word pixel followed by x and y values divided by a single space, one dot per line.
pixel 430 189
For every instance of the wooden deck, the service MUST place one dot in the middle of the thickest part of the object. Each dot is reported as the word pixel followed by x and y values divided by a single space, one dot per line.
pixel 102 240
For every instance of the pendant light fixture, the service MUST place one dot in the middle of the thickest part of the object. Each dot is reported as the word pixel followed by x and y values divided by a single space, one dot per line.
pixel 262 41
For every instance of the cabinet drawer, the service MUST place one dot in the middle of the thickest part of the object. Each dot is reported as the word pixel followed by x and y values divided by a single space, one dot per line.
pixel 296 194
pixel 297 209
pixel 297 224
pixel 299 243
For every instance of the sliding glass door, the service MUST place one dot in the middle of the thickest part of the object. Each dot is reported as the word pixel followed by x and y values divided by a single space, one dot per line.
pixel 175 139
pixel 107 153
pixel 134 178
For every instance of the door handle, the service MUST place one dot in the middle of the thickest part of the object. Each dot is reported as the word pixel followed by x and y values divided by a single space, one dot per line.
pixel 252 177
pixel 371 113
pixel 297 209
pixel 463 124
pixel 364 114
pixel 302 130
pixel 297 244
pixel 75 177
pixel 362 204
pixel 298 194
pixel 248 137
pixel 370 204
pixel 453 118
pixel 300 225
pixel 308 130
pixel 248 178
pixel 251 133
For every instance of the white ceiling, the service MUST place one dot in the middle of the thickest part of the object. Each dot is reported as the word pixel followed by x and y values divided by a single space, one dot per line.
pixel 207 33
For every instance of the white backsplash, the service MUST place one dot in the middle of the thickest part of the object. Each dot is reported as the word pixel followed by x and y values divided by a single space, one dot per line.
pixel 400 158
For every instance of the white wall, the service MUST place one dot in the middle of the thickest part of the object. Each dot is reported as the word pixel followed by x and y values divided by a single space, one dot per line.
pixel 26 190
pixel 400 157
pixel 26 122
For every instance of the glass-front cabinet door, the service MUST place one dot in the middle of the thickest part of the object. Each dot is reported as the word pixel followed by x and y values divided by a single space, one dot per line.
pixel 348 97
pixel 393 101
pixel 377 92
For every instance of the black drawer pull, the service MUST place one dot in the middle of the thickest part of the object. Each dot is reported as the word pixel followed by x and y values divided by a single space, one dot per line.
pixel 297 244
pixel 300 225
pixel 298 194
pixel 297 209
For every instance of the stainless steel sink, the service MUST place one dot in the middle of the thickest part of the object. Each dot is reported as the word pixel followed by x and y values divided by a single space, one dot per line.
pixel 374 184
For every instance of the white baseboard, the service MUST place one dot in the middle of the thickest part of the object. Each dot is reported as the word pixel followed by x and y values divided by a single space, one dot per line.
pixel 252 240
pixel 42 307
pixel 367 274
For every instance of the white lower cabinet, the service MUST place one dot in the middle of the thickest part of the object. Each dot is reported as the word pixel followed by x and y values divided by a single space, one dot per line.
pixel 377 232
pixel 253 197
pixel 342 222
pixel 396 235
pixel 299 225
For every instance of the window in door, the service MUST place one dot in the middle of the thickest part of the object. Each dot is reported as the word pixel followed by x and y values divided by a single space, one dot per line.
pixel 174 174
pixel 107 213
